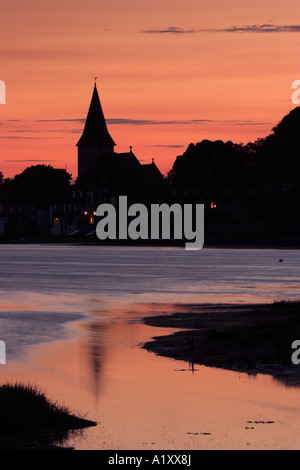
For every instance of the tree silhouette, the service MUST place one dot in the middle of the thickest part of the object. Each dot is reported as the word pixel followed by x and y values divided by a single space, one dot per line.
pixel 41 184
pixel 206 161
pixel 279 152
pixel 276 155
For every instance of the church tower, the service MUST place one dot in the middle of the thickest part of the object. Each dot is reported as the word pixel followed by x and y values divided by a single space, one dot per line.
pixel 95 140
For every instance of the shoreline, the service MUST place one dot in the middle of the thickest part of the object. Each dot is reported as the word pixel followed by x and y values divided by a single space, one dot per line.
pixel 240 244
pixel 254 339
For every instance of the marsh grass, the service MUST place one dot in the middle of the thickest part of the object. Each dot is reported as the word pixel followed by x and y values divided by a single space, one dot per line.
pixel 26 410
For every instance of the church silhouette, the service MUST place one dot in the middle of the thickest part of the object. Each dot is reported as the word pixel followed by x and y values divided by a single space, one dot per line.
pixel 250 192
pixel 108 173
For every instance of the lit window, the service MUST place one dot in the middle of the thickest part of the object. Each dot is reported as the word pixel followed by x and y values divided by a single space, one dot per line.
pixel 213 205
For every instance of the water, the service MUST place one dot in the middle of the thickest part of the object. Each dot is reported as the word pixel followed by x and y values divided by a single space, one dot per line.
pixel 174 273
pixel 71 320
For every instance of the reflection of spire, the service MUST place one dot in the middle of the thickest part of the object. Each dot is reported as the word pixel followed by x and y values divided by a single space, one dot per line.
pixel 96 353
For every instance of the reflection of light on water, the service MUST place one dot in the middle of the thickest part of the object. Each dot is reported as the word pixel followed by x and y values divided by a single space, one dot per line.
pixel 140 398
pixel 95 352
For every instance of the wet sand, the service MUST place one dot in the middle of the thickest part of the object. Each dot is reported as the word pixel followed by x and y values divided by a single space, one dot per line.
pixel 255 339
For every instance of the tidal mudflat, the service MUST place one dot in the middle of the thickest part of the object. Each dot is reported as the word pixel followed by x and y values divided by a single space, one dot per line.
pixel 253 338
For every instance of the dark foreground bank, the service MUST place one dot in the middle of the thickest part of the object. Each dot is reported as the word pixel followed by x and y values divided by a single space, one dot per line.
pixel 29 420
pixel 248 338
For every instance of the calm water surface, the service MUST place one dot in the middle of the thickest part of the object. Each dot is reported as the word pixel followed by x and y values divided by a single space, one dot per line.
pixel 71 320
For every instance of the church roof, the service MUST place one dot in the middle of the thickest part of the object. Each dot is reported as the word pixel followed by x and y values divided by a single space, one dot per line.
pixel 127 160
pixel 95 132
pixel 150 170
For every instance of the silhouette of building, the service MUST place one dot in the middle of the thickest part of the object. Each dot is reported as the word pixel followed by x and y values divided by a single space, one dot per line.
pixel 251 193
pixel 104 171
pixel 95 141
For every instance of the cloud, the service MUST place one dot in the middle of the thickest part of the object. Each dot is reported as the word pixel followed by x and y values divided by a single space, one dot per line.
pixel 263 28
pixel 81 120
pixel 170 30
pixel 128 122
pixel 22 161
pixel 166 146
pixel 28 137
pixel 156 122
pixel 149 122
pixel 134 122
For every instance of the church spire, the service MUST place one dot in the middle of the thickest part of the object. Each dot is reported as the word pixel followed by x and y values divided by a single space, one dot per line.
pixel 95 142
pixel 95 133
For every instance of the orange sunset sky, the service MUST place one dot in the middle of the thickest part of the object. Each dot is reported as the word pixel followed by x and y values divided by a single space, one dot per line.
pixel 170 72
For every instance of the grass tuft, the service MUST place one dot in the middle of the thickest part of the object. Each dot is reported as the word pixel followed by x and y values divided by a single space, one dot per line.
pixel 26 409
